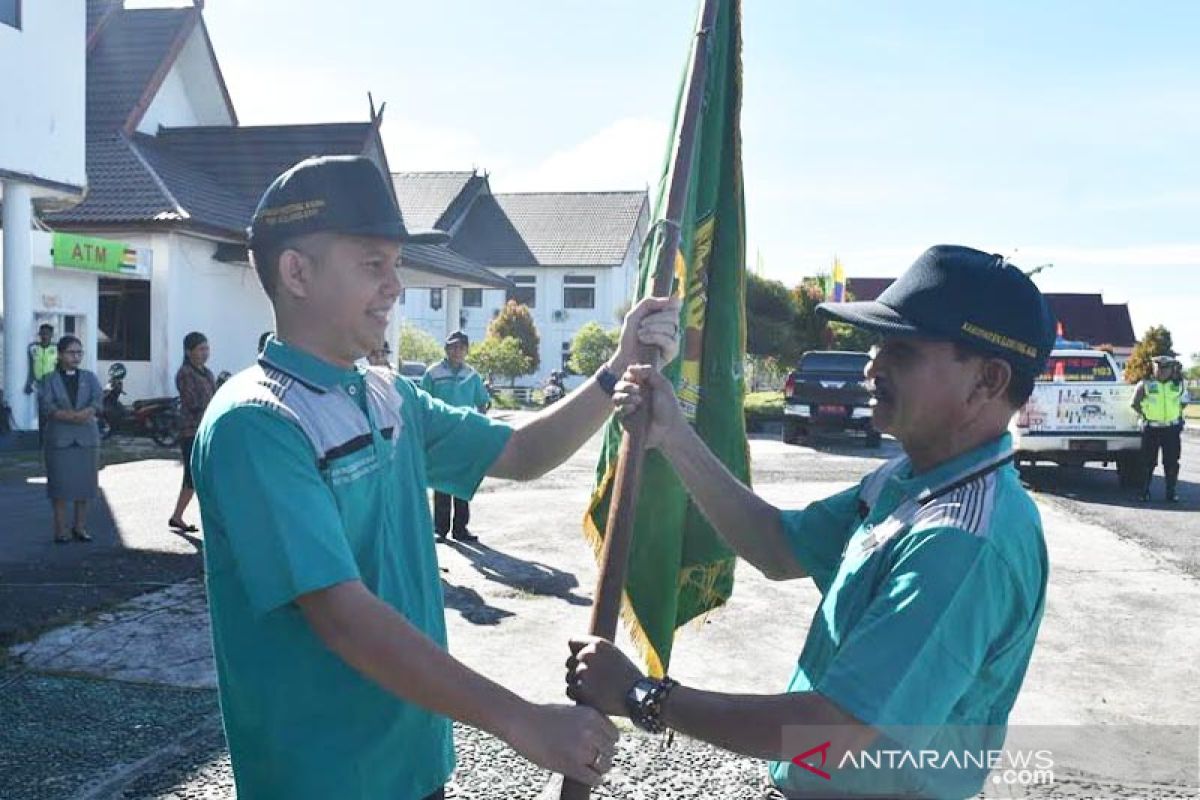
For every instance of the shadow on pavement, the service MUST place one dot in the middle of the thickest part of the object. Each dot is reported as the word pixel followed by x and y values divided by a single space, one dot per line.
pixel 525 576
pixel 43 584
pixel 1098 485
pixel 471 605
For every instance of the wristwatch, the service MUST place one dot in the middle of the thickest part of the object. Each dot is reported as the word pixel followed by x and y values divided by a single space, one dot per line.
pixel 607 380
pixel 644 702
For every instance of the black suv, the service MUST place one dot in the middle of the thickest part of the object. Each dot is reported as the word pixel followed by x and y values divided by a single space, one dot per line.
pixel 828 391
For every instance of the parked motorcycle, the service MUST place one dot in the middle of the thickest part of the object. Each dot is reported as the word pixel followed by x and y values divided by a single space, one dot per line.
pixel 155 417
pixel 554 389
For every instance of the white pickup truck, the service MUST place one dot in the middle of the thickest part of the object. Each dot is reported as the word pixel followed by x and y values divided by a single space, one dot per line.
pixel 1080 412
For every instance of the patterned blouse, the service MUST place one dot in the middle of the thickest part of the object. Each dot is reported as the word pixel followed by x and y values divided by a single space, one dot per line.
pixel 196 387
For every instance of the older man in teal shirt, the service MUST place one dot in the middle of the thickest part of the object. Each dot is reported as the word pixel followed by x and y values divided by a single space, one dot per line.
pixel 932 569
pixel 457 384
pixel 312 472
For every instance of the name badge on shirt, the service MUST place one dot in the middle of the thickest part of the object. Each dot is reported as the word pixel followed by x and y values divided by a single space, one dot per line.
pixel 881 533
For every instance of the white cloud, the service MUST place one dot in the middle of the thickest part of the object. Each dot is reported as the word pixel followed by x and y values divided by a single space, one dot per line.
pixel 625 155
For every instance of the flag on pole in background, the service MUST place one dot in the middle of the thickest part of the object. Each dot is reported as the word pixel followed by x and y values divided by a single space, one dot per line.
pixel 678 567
pixel 839 282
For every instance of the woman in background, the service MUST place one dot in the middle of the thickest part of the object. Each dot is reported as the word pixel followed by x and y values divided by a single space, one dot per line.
pixel 69 400
pixel 196 386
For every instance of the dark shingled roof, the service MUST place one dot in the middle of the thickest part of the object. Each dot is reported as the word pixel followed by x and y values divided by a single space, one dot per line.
pixel 435 199
pixel 867 288
pixel 550 229
pixel 96 9
pixel 129 51
pixel 439 260
pixel 1087 318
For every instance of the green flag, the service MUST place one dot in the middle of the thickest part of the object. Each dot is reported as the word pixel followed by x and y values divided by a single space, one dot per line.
pixel 678 567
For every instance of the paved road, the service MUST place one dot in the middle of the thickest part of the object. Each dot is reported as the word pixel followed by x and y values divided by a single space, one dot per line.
pixel 1122 616
pixel 1091 493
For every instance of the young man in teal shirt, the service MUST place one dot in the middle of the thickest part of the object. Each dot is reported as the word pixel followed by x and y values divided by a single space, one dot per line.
pixel 323 585
pixel 932 569
pixel 457 384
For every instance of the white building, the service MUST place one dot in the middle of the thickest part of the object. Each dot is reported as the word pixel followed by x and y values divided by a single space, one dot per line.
pixel 41 165
pixel 572 257
pixel 174 179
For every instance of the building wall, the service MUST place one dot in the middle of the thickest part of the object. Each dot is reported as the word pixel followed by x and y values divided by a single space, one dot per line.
pixel 42 122
pixel 191 291
pixel 190 94
pixel 555 324
pixel 223 301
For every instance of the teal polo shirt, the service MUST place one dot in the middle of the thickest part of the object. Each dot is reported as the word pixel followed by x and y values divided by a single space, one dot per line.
pixel 462 387
pixel 933 590
pixel 310 475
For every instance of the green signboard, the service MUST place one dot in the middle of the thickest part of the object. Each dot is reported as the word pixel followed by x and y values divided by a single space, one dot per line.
pixel 87 252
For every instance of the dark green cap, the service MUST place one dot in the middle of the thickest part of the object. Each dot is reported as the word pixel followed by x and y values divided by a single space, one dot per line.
pixel 332 194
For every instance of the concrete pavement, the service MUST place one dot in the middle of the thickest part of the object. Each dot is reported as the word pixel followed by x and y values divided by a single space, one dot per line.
pixel 1117 646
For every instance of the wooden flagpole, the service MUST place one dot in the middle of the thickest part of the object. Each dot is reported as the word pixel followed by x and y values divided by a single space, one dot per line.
pixel 618 535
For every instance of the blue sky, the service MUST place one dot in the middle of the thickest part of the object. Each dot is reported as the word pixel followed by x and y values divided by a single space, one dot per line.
pixel 1064 133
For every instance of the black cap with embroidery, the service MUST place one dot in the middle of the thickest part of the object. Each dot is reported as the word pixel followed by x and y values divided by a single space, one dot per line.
pixel 332 194
pixel 963 295
pixel 458 337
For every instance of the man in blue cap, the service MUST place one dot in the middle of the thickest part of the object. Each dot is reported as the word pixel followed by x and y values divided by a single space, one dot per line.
pixel 457 384
pixel 932 568
pixel 323 584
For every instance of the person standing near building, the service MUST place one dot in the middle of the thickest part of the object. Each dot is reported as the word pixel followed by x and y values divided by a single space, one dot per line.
pixel 1159 402
pixel 456 384
pixel 69 398
pixel 43 358
pixel 196 386
pixel 328 619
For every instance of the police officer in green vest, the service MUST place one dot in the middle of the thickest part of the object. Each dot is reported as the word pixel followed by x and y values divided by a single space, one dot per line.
pixel 43 357
pixel 1160 402
pixel 43 360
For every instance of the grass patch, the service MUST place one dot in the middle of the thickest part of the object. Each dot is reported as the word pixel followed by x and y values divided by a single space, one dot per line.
pixel 762 407
pixel 1192 412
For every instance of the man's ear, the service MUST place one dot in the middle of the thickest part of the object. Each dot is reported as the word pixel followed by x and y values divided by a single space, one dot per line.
pixel 295 272
pixel 995 374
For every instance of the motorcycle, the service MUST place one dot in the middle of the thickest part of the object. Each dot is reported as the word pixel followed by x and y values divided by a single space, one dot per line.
pixel 155 417
pixel 554 389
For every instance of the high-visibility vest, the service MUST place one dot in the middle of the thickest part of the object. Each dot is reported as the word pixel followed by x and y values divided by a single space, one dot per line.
pixel 1162 403
pixel 45 359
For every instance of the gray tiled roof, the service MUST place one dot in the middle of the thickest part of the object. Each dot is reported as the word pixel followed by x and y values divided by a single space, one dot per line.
pixel 443 262
pixel 550 229
pixel 130 49
pixel 96 9
pixel 204 177
pixel 435 199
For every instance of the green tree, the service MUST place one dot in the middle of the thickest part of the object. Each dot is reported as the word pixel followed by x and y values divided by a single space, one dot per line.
pixel 515 321
pixel 414 344
pixel 770 320
pixel 591 347
pixel 1192 373
pixel 810 332
pixel 850 337
pixel 500 357
pixel 1156 342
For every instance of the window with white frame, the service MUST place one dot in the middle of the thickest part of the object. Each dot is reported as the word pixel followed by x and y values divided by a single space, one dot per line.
pixel 10 13
pixel 525 290
pixel 579 291
pixel 472 298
